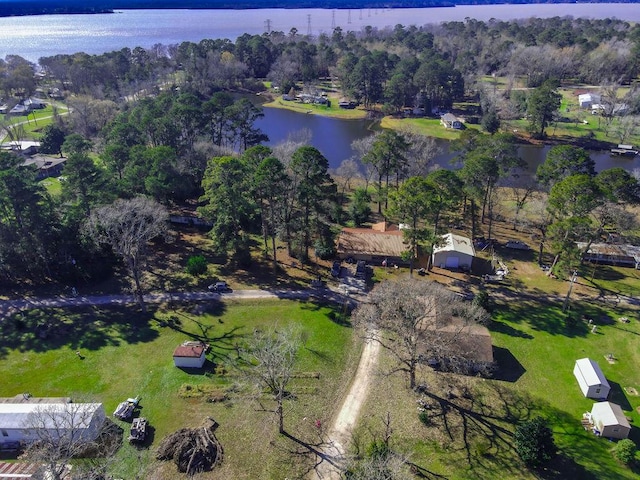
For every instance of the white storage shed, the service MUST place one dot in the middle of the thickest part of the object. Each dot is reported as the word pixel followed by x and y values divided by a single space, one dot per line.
pixel 587 100
pixel 592 381
pixel 19 421
pixel 190 355
pixel 454 252
pixel 609 420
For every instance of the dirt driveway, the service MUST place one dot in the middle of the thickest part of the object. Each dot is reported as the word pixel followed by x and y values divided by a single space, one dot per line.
pixel 340 432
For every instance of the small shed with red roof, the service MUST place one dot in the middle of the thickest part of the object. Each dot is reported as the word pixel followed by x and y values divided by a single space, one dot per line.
pixel 190 355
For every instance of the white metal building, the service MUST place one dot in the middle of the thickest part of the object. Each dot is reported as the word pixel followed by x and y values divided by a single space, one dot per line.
pixel 18 421
pixel 609 420
pixel 592 381
pixel 587 100
pixel 454 252
pixel 190 355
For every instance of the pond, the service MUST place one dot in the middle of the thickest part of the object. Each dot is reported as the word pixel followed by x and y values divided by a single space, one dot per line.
pixel 333 137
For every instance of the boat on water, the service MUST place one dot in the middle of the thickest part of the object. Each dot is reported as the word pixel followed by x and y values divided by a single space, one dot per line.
pixel 624 150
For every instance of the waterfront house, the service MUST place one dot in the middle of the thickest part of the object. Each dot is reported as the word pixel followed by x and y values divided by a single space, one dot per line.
pixel 449 120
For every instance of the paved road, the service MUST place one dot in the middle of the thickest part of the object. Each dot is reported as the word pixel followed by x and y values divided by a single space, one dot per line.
pixel 8 307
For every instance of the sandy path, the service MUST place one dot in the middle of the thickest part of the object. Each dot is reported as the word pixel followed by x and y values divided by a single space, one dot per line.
pixel 339 435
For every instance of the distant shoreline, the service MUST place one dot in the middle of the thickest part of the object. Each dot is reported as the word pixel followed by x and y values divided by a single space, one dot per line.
pixel 20 8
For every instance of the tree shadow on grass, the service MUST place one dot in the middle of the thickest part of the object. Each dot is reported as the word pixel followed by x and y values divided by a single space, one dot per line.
pixel 90 328
pixel 543 317
pixel 563 467
pixel 507 329
pixel 468 420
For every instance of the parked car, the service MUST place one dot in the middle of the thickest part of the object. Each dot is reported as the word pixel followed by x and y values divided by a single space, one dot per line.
pixel 219 287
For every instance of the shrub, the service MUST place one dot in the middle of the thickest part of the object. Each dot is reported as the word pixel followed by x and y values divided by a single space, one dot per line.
pixel 378 449
pixel 196 265
pixel 424 418
pixel 534 442
pixel 481 299
pixel 625 451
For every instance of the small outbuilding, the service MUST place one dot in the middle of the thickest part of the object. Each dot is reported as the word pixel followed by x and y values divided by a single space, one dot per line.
pixel 587 100
pixel 609 420
pixel 190 355
pixel 454 252
pixel 592 381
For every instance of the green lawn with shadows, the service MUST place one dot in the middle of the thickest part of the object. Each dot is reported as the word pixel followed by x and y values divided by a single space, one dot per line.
pixel 543 346
pixel 124 354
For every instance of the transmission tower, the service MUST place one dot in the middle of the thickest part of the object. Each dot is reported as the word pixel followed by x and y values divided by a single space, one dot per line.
pixel 349 17
pixel 360 14
pixel 333 20
pixel 267 25
pixel 309 24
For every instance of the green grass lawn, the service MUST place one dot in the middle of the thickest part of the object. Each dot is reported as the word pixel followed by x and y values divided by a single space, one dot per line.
pixel 533 339
pixel 128 354
pixel 53 186
pixel 333 111
pixel 471 420
pixel 32 124
pixel 426 126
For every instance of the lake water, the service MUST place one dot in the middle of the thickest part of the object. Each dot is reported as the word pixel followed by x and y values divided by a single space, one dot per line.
pixel 38 36
pixel 333 138
pixel 33 37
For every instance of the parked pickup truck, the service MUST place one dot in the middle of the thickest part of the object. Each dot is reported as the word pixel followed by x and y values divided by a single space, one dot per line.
pixel 125 409
pixel 138 430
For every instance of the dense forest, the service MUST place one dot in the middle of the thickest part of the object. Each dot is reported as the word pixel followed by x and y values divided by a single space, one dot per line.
pixel 170 123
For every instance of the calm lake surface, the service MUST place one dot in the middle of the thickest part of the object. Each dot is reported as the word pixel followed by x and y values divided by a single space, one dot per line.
pixel 333 138
pixel 38 36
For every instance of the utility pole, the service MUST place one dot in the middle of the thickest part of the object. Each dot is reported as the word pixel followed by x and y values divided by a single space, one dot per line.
pixel 574 277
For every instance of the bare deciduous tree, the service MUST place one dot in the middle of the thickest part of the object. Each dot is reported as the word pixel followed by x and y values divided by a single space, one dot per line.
pixel 419 320
pixel 380 467
pixel 270 357
pixel 284 150
pixel 347 171
pixel 422 151
pixel 520 194
pixel 61 432
pixel 626 127
pixel 128 226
